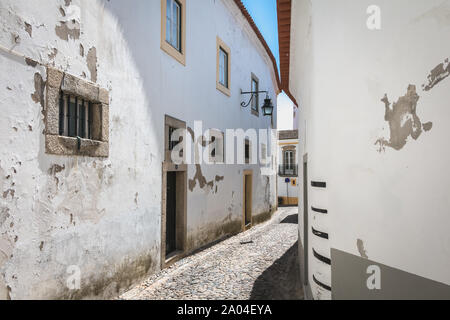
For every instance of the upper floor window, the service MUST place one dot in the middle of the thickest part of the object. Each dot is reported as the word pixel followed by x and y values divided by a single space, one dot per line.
pixel 173 28
pixel 289 159
pixel 223 67
pixel 255 99
pixel 173 24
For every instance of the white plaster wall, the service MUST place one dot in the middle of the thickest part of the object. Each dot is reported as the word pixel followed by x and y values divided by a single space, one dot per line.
pixel 396 202
pixel 287 190
pixel 104 215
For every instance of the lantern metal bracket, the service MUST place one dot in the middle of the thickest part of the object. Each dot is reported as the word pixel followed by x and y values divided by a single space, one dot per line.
pixel 253 93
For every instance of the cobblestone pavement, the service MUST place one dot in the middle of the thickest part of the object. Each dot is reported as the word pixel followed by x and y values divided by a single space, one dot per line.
pixel 260 264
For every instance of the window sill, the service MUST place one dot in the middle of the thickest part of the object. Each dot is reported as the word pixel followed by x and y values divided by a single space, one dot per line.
pixel 68 146
pixel 255 113
pixel 226 91
pixel 174 53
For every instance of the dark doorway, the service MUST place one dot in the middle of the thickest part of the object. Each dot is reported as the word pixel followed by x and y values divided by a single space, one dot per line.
pixel 248 184
pixel 171 213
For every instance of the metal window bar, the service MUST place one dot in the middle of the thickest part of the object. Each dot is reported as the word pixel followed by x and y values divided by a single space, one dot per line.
pixel 82 120
pixel 72 116
pixel 288 170
pixel 172 144
pixel 79 115
pixel 61 114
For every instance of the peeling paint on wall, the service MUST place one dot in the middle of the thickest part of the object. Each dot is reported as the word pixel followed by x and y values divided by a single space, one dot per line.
pixel 362 251
pixel 52 54
pixel 39 87
pixel 29 29
pixel 202 181
pixel 81 50
pixel 403 120
pixel 92 63
pixel 69 27
pixel 439 73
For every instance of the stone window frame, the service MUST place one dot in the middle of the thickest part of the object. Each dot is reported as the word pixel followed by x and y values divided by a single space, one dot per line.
pixel 179 56
pixel 60 82
pixel 221 45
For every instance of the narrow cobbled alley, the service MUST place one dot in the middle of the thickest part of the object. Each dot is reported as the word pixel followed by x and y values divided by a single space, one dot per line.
pixel 260 264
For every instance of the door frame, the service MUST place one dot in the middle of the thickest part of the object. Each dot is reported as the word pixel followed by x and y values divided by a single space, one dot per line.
pixel 244 205
pixel 181 206
pixel 181 216
pixel 305 222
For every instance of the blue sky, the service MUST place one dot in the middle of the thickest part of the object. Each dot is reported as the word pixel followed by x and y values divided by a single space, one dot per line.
pixel 264 12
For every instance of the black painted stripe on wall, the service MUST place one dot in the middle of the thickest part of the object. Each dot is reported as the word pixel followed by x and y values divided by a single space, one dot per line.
pixel 317 184
pixel 319 210
pixel 320 284
pixel 322 258
pixel 319 234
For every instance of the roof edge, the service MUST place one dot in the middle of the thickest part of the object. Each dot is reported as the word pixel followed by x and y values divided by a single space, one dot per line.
pixel 284 15
pixel 250 20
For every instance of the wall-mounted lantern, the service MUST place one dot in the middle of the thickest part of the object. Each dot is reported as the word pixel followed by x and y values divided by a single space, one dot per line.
pixel 267 107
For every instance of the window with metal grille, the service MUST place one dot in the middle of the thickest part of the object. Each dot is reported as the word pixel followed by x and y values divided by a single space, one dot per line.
pixel 173 143
pixel 75 117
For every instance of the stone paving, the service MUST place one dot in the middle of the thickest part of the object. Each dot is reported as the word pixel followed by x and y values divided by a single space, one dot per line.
pixel 260 264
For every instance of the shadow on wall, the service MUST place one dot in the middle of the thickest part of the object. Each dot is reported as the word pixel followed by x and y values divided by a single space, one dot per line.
pixel 281 281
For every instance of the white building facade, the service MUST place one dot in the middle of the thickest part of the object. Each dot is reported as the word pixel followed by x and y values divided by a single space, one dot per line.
pixel 91 200
pixel 372 84
pixel 288 167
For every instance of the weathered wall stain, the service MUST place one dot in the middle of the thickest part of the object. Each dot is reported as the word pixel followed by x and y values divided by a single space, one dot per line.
pixel 203 182
pixel 438 74
pixel 403 120
pixel 54 170
pixel 81 50
pixel 9 192
pixel 200 178
pixel 211 232
pixel 39 87
pixel 53 53
pixel 362 251
pixel 31 62
pixel 428 126
pixel 69 27
pixel 92 63
pixel 64 32
pixel 29 29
